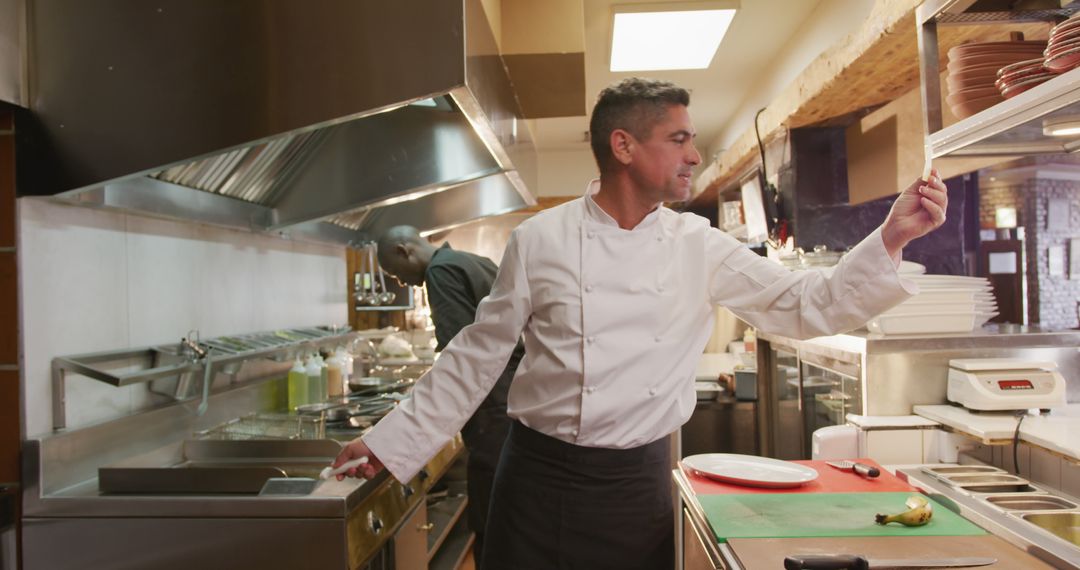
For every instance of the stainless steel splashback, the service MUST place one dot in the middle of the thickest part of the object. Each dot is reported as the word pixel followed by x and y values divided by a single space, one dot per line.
pixel 294 116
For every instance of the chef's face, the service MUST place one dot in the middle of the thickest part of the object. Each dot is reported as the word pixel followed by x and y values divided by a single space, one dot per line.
pixel 662 164
pixel 402 264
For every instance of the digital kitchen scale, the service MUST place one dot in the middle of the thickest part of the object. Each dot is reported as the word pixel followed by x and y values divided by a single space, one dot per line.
pixel 996 384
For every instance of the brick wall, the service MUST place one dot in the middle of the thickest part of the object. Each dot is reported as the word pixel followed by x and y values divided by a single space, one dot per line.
pixel 1052 301
pixel 1059 296
pixel 1000 196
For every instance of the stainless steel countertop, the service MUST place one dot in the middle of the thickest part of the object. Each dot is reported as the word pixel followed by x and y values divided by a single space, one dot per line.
pixel 1019 533
pixel 989 336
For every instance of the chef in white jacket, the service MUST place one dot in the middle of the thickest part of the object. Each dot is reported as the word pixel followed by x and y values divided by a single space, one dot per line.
pixel 614 296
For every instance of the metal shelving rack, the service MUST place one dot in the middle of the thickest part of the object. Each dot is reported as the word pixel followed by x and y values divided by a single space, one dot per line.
pixel 1013 127
pixel 175 362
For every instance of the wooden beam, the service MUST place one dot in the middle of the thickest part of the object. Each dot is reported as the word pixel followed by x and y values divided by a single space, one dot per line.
pixel 871 66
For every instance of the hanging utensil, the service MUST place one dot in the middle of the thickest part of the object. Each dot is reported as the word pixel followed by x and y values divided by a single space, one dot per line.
pixel 360 289
pixel 387 296
pixel 208 376
pixel 372 297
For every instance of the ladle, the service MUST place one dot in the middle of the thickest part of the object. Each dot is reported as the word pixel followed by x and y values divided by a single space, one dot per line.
pixel 372 297
pixel 386 297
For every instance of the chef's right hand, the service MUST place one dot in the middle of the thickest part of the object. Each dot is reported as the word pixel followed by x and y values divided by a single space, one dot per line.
pixel 356 449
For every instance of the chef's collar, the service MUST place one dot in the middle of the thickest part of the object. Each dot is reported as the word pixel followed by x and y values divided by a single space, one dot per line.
pixel 597 214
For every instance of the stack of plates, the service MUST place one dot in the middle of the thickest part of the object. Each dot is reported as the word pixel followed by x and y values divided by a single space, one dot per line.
pixel 1063 51
pixel 973 70
pixel 945 304
pixel 1019 77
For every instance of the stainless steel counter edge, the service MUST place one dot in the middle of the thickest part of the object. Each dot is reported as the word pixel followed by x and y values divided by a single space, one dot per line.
pixel 1019 533
pixel 331 499
pixel 720 555
pixel 989 336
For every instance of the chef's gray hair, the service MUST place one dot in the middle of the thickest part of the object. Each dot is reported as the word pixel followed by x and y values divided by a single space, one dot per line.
pixel 634 105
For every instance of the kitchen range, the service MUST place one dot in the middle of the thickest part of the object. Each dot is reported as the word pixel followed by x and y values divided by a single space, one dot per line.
pixel 173 488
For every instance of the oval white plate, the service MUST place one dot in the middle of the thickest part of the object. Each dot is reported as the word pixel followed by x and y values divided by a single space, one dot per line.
pixel 750 470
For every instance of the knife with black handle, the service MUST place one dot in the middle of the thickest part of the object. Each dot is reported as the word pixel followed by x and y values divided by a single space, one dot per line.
pixel 826 562
pixel 863 469
pixel 858 562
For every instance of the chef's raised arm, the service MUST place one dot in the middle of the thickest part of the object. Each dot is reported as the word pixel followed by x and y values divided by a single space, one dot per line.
pixel 803 304
pixel 444 398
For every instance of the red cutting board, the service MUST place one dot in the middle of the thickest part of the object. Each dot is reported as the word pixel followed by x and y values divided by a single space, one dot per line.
pixel 830 480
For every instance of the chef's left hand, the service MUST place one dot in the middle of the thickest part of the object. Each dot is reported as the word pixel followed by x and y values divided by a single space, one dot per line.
pixel 918 210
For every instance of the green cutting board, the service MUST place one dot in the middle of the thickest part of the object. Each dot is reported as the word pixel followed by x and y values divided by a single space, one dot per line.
pixel 783 515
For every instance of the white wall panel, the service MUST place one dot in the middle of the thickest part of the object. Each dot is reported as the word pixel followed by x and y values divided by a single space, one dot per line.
pixel 96 280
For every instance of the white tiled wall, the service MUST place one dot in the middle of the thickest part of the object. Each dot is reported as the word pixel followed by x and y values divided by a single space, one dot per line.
pixel 95 280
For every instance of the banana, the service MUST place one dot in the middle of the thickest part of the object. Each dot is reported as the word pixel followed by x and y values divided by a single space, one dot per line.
pixel 919 512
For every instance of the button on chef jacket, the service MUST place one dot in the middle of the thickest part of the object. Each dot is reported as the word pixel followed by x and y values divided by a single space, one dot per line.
pixel 614 322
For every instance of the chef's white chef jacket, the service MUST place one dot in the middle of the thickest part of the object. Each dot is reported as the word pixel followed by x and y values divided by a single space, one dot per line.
pixel 614 323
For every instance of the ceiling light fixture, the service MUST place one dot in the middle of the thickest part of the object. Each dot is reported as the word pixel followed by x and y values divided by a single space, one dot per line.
pixel 678 35
pixel 1063 126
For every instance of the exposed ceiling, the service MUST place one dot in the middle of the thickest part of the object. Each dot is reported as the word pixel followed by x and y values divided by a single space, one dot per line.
pixel 761 32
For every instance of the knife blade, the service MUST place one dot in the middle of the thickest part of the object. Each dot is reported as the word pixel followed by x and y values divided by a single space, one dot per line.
pixel 863 469
pixel 859 562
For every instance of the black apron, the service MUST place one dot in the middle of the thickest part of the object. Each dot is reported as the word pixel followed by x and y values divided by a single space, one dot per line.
pixel 484 435
pixel 559 506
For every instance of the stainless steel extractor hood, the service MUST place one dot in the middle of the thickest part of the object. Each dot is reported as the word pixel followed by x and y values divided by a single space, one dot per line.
pixel 332 118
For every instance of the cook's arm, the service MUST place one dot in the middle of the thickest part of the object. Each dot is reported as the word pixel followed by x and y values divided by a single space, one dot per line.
pixel 804 304
pixel 444 398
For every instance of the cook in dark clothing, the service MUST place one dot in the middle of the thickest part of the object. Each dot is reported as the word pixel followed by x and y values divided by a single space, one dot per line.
pixel 456 283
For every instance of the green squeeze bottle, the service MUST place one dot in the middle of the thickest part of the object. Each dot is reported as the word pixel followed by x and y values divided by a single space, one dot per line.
pixel 314 375
pixel 298 385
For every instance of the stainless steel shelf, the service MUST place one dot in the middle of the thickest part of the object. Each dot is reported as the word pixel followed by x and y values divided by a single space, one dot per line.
pixel 1010 128
pixel 967 12
pixel 1015 126
pixel 132 366
pixel 243 356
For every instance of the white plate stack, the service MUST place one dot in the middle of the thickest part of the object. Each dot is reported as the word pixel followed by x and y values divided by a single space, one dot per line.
pixel 944 304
